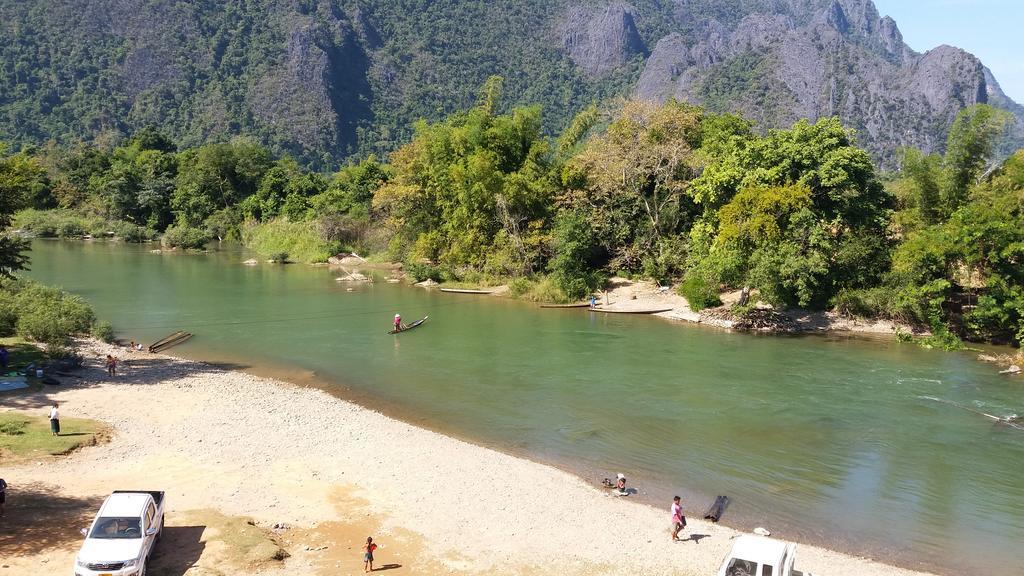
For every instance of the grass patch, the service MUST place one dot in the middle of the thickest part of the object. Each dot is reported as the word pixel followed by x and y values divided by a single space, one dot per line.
pixel 21 353
pixel 301 241
pixel 27 437
pixel 246 546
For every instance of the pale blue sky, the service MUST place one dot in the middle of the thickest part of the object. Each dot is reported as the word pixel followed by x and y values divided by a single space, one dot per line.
pixel 992 30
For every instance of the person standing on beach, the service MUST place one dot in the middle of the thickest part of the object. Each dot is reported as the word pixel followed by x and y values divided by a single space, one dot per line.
pixel 111 365
pixel 3 495
pixel 368 554
pixel 55 421
pixel 678 520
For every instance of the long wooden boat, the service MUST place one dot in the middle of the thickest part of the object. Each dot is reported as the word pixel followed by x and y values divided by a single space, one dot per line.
pixel 577 305
pixel 408 327
pixel 648 311
pixel 169 341
pixel 465 291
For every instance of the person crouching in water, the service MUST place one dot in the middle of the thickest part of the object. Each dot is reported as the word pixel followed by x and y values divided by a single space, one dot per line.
pixel 619 485
pixel 368 554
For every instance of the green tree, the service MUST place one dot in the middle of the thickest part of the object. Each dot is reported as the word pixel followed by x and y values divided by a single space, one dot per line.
pixel 572 266
pixel 924 173
pixel 472 184
pixel 820 226
pixel 216 176
pixel 969 148
pixel 20 179
pixel 632 181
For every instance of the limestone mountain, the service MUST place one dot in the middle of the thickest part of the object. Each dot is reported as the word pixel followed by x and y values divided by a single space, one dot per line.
pixel 323 79
pixel 783 60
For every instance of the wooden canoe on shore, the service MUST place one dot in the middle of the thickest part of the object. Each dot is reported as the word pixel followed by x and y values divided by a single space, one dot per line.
pixel 648 311
pixel 169 341
pixel 465 291
pixel 408 327
pixel 577 305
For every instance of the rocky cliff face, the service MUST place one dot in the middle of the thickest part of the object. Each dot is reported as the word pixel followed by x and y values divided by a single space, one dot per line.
pixel 788 60
pixel 600 39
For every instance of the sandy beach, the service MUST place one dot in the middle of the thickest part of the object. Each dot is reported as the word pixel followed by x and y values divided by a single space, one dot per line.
pixel 328 473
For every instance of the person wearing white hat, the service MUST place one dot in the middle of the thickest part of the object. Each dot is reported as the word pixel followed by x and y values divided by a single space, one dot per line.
pixel 398 322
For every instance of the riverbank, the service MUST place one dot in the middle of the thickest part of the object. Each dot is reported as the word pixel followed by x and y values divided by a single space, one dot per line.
pixel 638 296
pixel 336 472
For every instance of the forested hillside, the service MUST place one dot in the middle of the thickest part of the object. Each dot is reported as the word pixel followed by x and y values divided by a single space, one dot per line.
pixel 324 79
pixel 673 192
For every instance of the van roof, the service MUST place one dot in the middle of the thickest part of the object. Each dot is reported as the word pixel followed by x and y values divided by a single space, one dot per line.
pixel 758 549
pixel 125 504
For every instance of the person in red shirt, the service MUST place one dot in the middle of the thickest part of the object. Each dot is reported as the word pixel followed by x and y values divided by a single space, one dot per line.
pixel 368 554
pixel 678 520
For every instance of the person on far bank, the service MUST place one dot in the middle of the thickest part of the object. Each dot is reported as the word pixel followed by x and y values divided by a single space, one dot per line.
pixel 4 354
pixel 678 520
pixel 55 421
pixel 368 554
pixel 111 365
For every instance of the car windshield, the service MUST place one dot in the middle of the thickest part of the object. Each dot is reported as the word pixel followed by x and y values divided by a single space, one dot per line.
pixel 741 568
pixel 116 527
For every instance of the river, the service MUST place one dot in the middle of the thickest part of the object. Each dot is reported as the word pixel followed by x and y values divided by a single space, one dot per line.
pixel 832 441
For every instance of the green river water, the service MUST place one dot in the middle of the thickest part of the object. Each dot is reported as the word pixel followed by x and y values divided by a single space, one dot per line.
pixel 831 441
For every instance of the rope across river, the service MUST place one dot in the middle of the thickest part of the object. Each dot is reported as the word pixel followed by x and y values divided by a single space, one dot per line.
pixel 1012 420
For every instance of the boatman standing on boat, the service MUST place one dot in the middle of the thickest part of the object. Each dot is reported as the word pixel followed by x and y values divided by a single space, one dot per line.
pixel 398 322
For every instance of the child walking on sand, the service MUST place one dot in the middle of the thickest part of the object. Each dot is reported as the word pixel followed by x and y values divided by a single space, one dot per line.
pixel 368 554
pixel 678 520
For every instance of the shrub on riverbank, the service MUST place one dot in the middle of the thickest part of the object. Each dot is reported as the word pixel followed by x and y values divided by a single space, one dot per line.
pixel 543 290
pixel 56 223
pixel 70 224
pixel 103 332
pixel 882 302
pixel 301 241
pixel 128 232
pixel 185 237
pixel 42 313
pixel 421 271
pixel 699 293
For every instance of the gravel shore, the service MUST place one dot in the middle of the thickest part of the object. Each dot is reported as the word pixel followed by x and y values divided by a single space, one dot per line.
pixel 282 454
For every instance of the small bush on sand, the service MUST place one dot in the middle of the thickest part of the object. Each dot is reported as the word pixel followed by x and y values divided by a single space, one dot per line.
pixel 103 331
pixel 43 314
pixel 699 293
